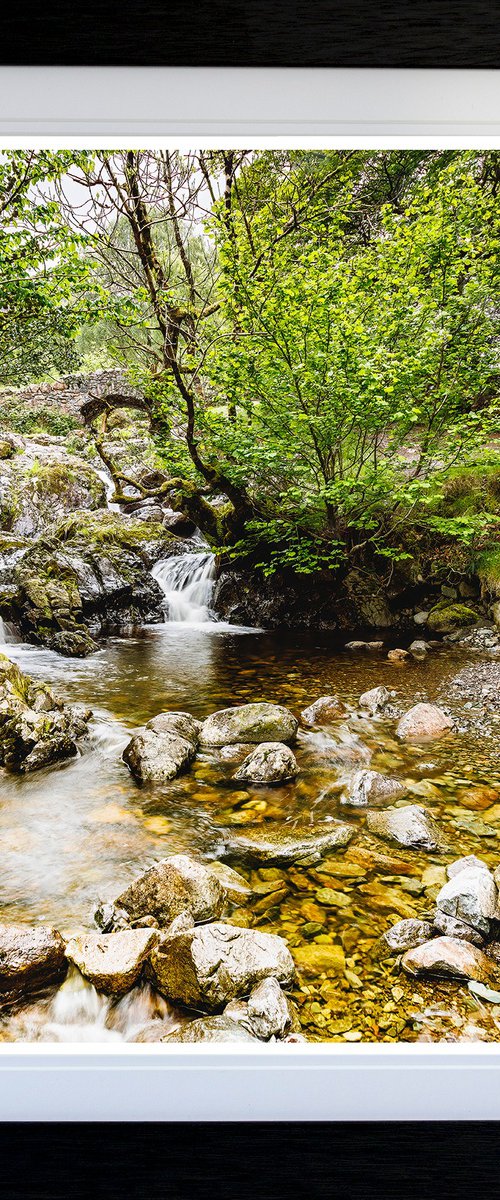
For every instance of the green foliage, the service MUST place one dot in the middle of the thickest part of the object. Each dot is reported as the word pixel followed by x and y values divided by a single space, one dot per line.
pixel 20 418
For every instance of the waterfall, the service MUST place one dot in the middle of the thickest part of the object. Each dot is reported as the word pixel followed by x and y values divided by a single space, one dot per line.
pixel 188 582
pixel 2 633
pixel 110 489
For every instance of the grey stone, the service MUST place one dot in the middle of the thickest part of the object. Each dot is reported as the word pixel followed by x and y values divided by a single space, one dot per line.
pixel 180 723
pixel 31 958
pixel 372 788
pixel 237 888
pixel 158 757
pixel 206 967
pixel 254 723
pixel 112 962
pixel 281 843
pixel 375 700
pixel 405 935
pixel 409 826
pixel 268 1011
pixel 462 864
pixel 450 958
pixel 323 711
pixel 453 927
pixel 211 1029
pixel 470 896
pixel 271 762
pixel 173 886
pixel 423 723
pixel 420 618
pixel 419 648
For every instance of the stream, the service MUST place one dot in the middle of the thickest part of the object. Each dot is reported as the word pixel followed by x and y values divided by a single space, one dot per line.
pixel 79 832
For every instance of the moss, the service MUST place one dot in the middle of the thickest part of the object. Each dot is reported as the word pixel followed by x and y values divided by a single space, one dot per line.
pixel 445 618
pixel 488 569
pixel 7 450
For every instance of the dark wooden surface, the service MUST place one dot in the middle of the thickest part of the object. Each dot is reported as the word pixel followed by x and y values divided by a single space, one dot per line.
pixel 348 33
pixel 440 1161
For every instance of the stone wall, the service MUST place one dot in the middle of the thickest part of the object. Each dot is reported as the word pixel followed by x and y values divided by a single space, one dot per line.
pixel 70 392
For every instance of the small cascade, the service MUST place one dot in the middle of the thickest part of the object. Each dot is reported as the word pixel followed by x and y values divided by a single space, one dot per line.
pixel 188 582
pixel 3 639
pixel 110 490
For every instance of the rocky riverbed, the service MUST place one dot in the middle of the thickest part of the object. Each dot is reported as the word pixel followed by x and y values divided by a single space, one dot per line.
pixel 251 838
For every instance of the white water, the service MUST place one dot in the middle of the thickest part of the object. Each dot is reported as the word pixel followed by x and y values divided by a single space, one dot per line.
pixel 110 489
pixel 2 633
pixel 188 583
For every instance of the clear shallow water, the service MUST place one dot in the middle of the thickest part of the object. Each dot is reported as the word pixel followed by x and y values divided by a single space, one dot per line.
pixel 77 833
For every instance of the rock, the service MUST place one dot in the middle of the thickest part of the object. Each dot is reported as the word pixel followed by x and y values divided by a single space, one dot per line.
pixel 158 757
pixel 41 484
pixel 375 700
pixel 476 799
pixel 409 826
pixel 179 723
pixel 211 1029
pixel 281 843
pixel 356 645
pixel 453 927
pixel 173 886
pixel 372 788
pixel 398 655
pixel 470 895
pixel 405 935
pixel 31 958
pixel 86 576
pixel 423 723
pixel 445 618
pixel 420 618
pixel 268 1011
pixel 450 958
pixel 315 959
pixel 36 729
pixel 212 964
pixel 259 722
pixel 462 864
pixel 323 711
pixel 495 613
pixel 112 962
pixel 271 762
pixel 108 917
pixel 419 649
pixel 236 887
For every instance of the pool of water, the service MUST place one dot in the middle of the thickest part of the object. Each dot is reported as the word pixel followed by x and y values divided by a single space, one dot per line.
pixel 77 833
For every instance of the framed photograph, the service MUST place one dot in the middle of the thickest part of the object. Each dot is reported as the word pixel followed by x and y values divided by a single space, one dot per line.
pixel 249 594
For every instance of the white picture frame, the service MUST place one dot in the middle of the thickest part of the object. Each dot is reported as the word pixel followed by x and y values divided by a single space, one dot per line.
pixel 348 107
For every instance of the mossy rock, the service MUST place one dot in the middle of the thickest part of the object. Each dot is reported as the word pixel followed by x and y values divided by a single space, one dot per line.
pixel 7 450
pixel 446 618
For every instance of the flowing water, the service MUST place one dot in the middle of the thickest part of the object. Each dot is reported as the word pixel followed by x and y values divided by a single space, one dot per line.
pixel 79 832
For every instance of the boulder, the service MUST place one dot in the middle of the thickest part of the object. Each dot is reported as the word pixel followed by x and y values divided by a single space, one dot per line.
pixel 36 729
pixel 405 935
pixel 31 958
pixel 410 826
pixel 419 649
pixel 158 757
pixel 462 864
pixel 423 723
pixel 398 655
pixel 207 966
pixel 179 723
pixel 445 618
pixel 323 711
pixel 449 958
pixel 282 843
pixel 112 962
pixel 211 1029
pixel 454 927
pixel 469 896
pixel 268 1011
pixel 236 887
pixel 271 762
pixel 266 1014
pixel 375 700
pixel 175 885
pixel 259 722
pixel 372 788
